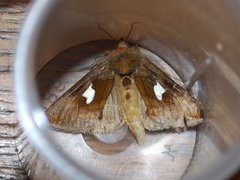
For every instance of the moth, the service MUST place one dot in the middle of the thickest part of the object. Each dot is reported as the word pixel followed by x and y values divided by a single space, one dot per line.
pixel 124 83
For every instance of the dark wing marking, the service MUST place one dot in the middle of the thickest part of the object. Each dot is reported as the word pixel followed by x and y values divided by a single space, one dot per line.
pixel 177 107
pixel 71 113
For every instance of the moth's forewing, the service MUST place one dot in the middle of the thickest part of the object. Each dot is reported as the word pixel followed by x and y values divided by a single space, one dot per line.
pixel 71 113
pixel 117 102
pixel 177 107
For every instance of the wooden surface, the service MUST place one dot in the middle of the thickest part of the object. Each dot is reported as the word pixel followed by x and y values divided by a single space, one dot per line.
pixel 12 14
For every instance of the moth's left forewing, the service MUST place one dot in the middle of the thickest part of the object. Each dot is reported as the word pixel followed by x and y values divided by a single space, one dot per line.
pixel 178 108
pixel 72 112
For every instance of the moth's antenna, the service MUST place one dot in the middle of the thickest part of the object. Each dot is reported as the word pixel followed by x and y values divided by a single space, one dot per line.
pixel 103 30
pixel 130 31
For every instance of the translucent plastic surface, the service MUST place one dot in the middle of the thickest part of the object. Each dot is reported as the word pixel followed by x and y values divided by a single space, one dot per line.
pixel 184 34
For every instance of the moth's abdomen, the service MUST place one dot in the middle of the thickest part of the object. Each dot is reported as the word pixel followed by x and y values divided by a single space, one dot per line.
pixel 130 106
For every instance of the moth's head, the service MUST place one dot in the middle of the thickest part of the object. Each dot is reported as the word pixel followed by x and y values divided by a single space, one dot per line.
pixel 122 44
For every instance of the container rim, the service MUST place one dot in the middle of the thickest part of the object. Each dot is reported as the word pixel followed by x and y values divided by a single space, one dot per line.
pixel 31 116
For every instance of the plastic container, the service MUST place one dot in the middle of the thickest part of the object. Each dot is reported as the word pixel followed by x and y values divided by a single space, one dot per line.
pixel 186 35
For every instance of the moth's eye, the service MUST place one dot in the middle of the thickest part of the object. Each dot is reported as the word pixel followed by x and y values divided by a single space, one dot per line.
pixel 158 90
pixel 89 94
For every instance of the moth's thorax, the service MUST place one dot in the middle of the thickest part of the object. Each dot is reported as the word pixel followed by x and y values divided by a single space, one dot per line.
pixel 124 60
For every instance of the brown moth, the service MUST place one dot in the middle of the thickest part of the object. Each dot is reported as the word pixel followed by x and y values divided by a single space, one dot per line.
pixel 124 82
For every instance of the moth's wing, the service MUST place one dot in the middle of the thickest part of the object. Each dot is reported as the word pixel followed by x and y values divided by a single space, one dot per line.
pixel 71 113
pixel 177 107
pixel 112 118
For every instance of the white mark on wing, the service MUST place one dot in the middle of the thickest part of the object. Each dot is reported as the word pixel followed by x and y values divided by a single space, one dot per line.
pixel 158 90
pixel 89 94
